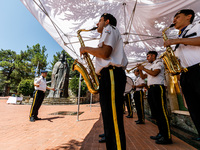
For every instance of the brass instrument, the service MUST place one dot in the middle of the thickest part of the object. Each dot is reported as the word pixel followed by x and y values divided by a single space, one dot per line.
pixel 89 75
pixel 128 71
pixel 171 61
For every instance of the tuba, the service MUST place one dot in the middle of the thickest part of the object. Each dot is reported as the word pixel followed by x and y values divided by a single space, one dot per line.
pixel 88 74
pixel 171 61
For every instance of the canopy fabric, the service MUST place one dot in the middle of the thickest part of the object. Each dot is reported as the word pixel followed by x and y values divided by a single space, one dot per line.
pixel 61 19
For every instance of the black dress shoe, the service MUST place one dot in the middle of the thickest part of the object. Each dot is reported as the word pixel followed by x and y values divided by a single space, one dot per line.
pixel 101 135
pixel 32 119
pixel 156 137
pixel 129 116
pixel 36 118
pixel 140 122
pixel 137 121
pixel 195 138
pixel 103 140
pixel 163 140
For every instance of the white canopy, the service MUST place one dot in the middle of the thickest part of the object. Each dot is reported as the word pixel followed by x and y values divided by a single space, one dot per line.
pixel 140 22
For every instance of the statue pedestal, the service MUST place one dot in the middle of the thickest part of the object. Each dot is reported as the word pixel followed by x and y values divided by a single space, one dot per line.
pixel 58 101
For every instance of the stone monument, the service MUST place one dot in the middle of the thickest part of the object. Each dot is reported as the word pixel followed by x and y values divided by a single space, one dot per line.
pixel 60 79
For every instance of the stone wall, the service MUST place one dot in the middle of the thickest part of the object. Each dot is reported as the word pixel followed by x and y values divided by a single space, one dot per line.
pixel 179 119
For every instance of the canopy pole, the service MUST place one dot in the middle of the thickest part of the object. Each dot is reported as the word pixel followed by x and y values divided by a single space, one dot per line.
pixel 90 102
pixel 79 95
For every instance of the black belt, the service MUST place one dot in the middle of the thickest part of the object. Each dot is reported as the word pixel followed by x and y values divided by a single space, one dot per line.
pixel 40 91
pixel 193 67
pixel 111 67
pixel 155 85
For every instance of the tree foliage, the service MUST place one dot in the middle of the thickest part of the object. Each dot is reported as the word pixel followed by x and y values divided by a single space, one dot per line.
pixel 37 54
pixel 20 68
pixel 15 67
pixel 74 86
pixel 26 87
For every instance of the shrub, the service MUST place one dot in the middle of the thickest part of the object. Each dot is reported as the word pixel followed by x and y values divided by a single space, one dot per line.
pixel 26 87
pixel 74 85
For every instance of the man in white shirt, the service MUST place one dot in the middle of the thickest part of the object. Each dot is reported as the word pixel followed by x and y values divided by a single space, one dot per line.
pixel 110 64
pixel 38 95
pixel 156 95
pixel 138 97
pixel 188 51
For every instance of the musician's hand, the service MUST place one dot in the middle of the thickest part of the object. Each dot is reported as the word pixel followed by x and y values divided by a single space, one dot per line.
pixel 140 67
pixel 82 50
pixel 168 42
pixel 37 85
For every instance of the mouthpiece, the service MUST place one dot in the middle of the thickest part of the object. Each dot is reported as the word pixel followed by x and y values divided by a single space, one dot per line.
pixel 171 25
pixel 94 28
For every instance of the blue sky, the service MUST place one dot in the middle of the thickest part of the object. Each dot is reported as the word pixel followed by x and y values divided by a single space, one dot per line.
pixel 19 28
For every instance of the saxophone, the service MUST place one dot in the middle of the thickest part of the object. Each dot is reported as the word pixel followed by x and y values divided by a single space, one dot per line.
pixel 171 61
pixel 88 74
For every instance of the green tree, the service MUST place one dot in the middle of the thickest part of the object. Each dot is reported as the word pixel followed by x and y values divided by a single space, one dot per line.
pixel 15 67
pixel 37 54
pixel 74 86
pixel 26 87
pixel 7 64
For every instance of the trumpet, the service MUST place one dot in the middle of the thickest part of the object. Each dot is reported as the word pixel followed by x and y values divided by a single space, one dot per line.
pixel 128 71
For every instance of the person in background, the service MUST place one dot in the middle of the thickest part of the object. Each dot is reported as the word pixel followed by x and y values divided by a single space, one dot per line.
pixel 138 97
pixel 38 95
pixel 111 63
pixel 156 95
pixel 127 102
pixel 188 51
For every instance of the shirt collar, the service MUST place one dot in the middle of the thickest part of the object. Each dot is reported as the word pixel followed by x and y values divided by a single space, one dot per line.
pixel 181 31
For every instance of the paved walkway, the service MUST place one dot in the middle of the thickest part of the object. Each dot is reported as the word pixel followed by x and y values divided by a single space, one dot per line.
pixel 63 132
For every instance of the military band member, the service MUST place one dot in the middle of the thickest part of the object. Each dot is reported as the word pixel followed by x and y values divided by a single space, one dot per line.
pixel 188 51
pixel 128 101
pixel 38 95
pixel 156 94
pixel 138 97
pixel 110 63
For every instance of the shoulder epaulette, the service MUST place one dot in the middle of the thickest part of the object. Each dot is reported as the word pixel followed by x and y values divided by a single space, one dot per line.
pixel 113 26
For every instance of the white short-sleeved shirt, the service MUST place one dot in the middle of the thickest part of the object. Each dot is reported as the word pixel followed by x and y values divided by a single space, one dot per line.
pixel 160 78
pixel 138 81
pixel 189 55
pixel 42 83
pixel 111 37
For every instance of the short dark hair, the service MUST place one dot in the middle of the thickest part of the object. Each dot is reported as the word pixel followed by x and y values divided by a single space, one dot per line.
pixel 153 52
pixel 111 18
pixel 186 12
pixel 136 70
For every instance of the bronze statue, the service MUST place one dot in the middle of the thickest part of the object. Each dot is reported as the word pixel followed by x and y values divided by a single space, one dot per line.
pixel 60 79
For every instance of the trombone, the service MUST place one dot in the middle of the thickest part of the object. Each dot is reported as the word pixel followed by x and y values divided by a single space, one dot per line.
pixel 128 71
